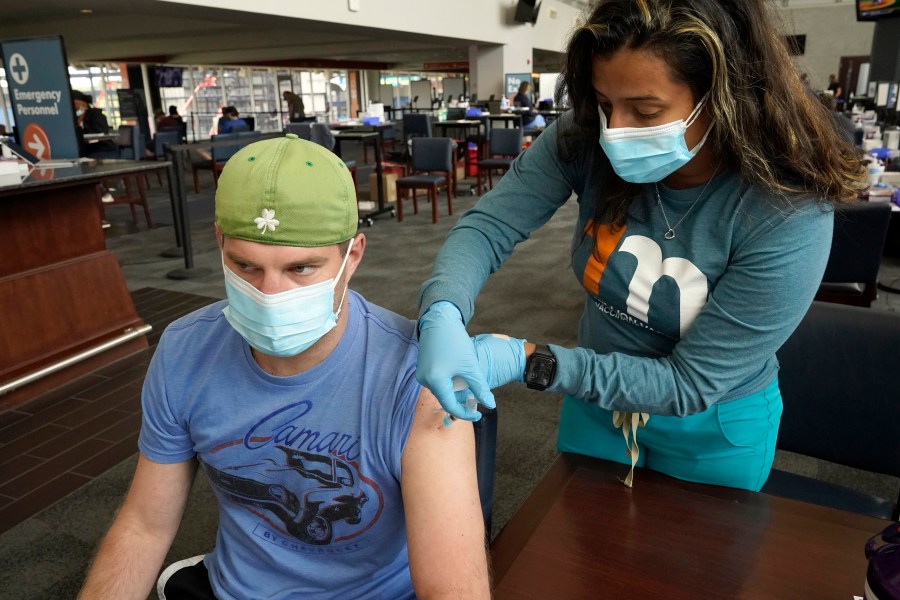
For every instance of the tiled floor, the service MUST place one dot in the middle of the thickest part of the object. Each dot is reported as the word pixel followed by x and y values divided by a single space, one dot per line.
pixel 63 439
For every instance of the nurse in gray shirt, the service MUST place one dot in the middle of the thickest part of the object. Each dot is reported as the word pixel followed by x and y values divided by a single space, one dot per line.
pixel 705 178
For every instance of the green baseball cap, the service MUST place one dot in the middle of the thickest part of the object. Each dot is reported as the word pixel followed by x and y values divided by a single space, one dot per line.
pixel 286 191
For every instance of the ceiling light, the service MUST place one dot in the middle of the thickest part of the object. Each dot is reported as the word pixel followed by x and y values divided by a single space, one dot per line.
pixel 86 11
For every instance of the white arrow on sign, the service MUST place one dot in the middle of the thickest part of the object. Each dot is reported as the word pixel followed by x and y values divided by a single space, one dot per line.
pixel 37 146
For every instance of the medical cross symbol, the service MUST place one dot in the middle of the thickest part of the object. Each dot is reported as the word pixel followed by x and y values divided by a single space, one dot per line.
pixel 19 68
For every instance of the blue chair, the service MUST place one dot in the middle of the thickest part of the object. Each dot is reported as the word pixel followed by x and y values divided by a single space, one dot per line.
pixel 221 154
pixel 432 168
pixel 163 138
pixel 130 143
pixel 504 145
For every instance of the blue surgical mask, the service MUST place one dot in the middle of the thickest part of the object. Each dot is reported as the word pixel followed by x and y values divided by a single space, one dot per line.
pixel 283 324
pixel 649 154
pixel 79 112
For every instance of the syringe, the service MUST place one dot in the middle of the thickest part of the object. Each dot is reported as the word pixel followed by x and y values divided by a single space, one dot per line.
pixel 459 384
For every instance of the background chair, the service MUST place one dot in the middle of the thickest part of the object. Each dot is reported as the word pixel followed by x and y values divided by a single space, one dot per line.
pixel 320 133
pixel 852 271
pixel 301 130
pixel 130 143
pixel 841 403
pixel 221 154
pixel 504 145
pixel 415 125
pixel 128 189
pixel 163 138
pixel 432 168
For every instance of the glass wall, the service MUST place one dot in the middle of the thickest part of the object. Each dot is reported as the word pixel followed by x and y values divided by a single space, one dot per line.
pixel 253 91
pixel 405 84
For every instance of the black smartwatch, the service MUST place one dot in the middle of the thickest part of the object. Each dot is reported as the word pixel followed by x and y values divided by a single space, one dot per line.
pixel 540 368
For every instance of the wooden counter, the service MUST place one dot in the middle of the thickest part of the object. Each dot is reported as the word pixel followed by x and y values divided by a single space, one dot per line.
pixel 62 294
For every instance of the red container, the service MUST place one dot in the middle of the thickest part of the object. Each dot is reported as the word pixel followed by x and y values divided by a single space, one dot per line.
pixel 472 160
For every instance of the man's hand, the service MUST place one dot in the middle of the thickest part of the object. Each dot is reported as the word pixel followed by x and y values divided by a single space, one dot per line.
pixel 501 358
pixel 446 351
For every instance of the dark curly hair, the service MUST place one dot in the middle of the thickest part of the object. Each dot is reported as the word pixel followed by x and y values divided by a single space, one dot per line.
pixel 768 126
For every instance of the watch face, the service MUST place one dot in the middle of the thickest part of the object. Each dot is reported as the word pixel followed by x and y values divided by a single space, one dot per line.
pixel 540 370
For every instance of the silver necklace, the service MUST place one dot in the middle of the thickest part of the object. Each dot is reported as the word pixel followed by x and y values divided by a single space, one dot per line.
pixel 670 233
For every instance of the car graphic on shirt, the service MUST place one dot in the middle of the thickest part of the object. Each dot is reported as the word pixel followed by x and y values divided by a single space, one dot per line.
pixel 307 513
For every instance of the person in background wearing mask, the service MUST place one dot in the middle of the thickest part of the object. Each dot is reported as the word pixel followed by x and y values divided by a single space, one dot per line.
pixel 334 475
pixel 705 177
pixel 89 119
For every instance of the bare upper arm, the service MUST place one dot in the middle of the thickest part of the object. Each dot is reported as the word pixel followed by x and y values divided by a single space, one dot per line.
pixel 445 527
pixel 157 496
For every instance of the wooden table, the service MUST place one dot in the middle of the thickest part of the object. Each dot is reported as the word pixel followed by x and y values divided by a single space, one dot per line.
pixel 583 534
pixel 65 307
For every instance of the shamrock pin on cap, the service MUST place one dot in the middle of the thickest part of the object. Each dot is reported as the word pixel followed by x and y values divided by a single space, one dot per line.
pixel 286 191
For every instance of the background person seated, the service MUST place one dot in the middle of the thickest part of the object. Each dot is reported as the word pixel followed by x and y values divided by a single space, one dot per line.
pixel 530 118
pixel 231 120
pixel 89 119
pixel 171 121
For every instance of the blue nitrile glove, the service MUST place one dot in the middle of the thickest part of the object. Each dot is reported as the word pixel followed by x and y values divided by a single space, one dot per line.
pixel 445 351
pixel 502 358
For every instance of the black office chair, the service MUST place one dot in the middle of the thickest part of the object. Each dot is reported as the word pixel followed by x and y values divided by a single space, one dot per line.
pixel 841 404
pixel 432 168
pixel 504 145
pixel 851 274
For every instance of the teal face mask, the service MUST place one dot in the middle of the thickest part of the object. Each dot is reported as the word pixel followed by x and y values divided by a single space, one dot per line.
pixel 649 154
pixel 283 324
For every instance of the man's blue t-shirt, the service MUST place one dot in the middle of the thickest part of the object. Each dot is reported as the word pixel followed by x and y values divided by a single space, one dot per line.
pixel 306 469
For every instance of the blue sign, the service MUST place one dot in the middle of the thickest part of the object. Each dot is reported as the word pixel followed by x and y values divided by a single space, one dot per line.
pixel 38 79
pixel 513 81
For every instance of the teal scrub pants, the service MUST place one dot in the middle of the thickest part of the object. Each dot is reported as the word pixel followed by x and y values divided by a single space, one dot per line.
pixel 730 444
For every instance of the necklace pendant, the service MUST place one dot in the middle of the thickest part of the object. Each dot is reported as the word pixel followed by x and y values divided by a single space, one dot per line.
pixel 670 234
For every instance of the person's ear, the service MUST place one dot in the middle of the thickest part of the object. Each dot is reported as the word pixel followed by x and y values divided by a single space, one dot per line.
pixel 220 238
pixel 356 253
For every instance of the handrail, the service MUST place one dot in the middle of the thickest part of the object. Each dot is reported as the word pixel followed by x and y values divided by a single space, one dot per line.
pixel 129 334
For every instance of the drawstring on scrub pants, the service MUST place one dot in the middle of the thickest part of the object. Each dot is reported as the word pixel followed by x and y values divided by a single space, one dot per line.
pixel 630 422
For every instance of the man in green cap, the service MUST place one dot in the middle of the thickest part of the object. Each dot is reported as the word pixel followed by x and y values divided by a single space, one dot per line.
pixel 334 474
